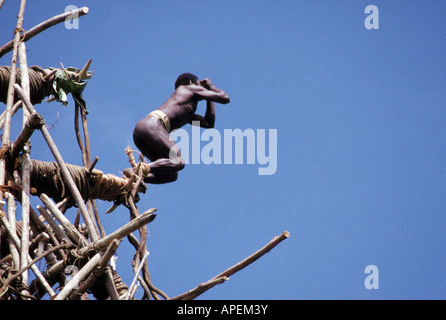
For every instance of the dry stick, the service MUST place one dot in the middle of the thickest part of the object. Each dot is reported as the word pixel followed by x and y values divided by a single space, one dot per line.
pixel 242 264
pixel 15 108
pixel 92 203
pixel 201 288
pixel 110 284
pixel 128 228
pixel 86 136
pixel 86 160
pixel 142 248
pixel 34 122
pixel 35 260
pixel 26 168
pixel 25 162
pixel 92 278
pixel 132 288
pixel 192 294
pixel 10 95
pixel 78 134
pixel 20 144
pixel 24 76
pixel 69 228
pixel 12 222
pixel 95 161
pixel 16 242
pixel 59 233
pixel 63 167
pixel 80 275
pixel 45 25
pixel 46 228
pixel 135 243
pixel 143 230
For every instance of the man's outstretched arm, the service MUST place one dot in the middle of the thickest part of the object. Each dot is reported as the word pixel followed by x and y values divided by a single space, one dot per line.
pixel 207 91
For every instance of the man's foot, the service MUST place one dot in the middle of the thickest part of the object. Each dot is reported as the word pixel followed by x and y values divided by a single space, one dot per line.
pixel 129 171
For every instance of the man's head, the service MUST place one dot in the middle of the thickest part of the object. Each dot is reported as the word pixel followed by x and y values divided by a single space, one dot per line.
pixel 186 79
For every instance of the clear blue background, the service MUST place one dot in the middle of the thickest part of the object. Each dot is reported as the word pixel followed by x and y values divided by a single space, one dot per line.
pixel 360 115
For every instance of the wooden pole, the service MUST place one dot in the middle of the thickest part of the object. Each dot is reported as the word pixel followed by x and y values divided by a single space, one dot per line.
pixel 10 96
pixel 69 228
pixel 26 167
pixel 132 288
pixel 43 26
pixel 80 275
pixel 64 170
pixel 122 232
pixel 93 277
pixel 12 221
pixel 59 232
pixel 222 277
pixel 16 242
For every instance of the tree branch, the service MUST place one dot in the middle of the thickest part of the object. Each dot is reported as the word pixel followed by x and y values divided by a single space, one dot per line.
pixel 246 262
pixel 222 277
pixel 94 276
pixel 125 230
pixel 45 25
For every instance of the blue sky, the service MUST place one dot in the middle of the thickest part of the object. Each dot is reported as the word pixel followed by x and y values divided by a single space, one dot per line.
pixel 359 114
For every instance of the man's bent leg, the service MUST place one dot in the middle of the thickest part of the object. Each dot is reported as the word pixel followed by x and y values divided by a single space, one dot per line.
pixel 155 143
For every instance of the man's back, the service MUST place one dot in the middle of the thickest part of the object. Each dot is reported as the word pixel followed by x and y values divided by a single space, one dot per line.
pixel 180 106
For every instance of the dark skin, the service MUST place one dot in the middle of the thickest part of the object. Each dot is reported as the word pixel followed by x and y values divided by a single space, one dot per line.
pixel 153 140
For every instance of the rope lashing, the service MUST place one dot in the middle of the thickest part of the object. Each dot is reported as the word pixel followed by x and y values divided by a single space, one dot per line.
pixel 39 88
pixel 46 178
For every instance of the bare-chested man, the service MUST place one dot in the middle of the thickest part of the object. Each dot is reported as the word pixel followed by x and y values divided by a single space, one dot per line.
pixel 151 134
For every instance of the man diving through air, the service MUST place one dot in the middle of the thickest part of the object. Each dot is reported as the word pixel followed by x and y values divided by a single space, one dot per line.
pixel 151 134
